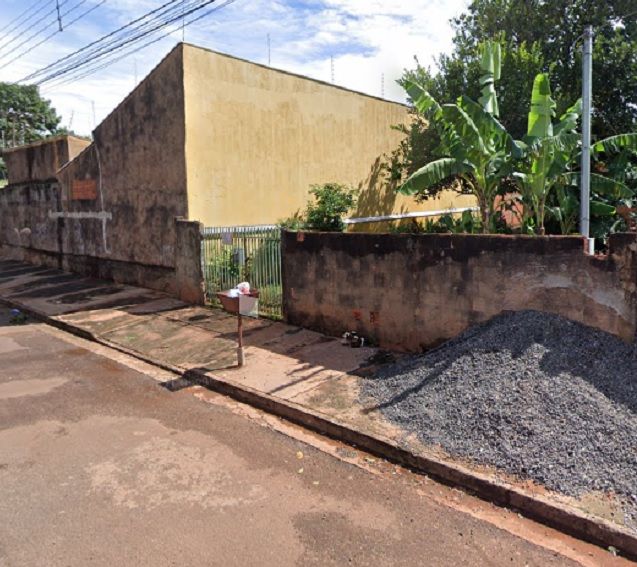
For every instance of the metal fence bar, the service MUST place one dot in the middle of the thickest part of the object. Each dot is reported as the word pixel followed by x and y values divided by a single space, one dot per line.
pixel 244 253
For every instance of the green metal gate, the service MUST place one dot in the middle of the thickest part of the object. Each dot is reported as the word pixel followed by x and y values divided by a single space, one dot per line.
pixel 233 254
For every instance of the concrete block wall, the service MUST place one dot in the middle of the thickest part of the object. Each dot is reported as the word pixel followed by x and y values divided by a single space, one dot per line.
pixel 411 292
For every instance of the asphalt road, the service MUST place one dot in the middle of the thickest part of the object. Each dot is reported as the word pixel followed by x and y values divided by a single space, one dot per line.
pixel 100 465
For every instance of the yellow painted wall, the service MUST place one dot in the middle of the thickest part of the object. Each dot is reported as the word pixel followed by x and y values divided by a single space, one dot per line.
pixel 257 138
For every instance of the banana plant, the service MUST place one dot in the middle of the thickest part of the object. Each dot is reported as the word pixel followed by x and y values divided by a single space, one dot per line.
pixel 567 208
pixel 551 158
pixel 549 151
pixel 475 147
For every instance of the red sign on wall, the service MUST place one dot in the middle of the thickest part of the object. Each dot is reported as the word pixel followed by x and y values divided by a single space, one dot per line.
pixel 84 190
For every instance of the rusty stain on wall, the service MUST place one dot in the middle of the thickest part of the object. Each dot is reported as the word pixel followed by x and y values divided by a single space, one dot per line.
pixel 84 190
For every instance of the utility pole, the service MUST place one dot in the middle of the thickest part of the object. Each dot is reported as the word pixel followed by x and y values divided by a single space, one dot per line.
pixel 93 110
pixel 332 67
pixel 587 95
pixel 382 85
pixel 269 52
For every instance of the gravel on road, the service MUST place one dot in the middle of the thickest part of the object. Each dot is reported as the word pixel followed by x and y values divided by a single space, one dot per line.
pixel 534 394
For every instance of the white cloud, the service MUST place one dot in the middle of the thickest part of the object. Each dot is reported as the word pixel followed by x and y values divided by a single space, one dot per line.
pixel 366 39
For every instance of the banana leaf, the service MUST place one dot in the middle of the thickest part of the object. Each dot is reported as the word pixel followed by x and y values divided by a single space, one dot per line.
pixel 602 185
pixel 616 144
pixel 568 121
pixel 490 56
pixel 433 173
pixel 540 123
pixel 600 209
pixel 493 133
pixel 421 98
pixel 465 130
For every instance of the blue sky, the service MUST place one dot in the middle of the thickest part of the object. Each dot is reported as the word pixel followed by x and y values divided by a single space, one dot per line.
pixel 366 38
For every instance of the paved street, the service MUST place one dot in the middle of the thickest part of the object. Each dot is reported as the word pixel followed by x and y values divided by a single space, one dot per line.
pixel 100 465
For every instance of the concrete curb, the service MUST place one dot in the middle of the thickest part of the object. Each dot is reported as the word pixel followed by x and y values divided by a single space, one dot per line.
pixel 559 516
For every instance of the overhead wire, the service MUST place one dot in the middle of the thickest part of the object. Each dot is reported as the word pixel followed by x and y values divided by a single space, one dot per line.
pixel 17 21
pixel 98 52
pixel 79 52
pixel 143 26
pixel 117 44
pixel 24 12
pixel 85 73
pixel 57 31
pixel 35 34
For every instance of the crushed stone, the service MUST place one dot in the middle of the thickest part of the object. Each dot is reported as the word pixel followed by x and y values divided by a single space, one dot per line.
pixel 533 394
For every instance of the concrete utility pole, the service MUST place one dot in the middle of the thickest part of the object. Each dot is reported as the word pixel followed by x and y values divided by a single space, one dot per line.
pixel 587 95
pixel 269 52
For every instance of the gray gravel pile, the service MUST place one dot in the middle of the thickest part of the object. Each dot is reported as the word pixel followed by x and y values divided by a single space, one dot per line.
pixel 533 394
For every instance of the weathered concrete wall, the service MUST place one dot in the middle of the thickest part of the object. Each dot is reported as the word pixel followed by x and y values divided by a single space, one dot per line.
pixel 111 212
pixel 41 161
pixel 257 138
pixel 409 292
pixel 188 273
pixel 124 191
pixel 184 281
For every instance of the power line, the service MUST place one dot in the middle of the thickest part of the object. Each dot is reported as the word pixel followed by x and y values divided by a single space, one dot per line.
pixel 48 37
pixel 82 73
pixel 169 16
pixel 16 22
pixel 55 70
pixel 38 32
pixel 37 22
pixel 78 52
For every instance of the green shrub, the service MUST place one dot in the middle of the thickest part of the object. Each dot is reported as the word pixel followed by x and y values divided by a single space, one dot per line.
pixel 325 211
pixel 331 202
pixel 294 222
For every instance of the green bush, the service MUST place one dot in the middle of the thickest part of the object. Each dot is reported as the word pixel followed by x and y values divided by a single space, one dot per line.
pixel 332 202
pixel 325 212
pixel 294 222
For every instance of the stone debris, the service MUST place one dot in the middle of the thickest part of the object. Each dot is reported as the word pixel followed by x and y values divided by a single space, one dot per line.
pixel 532 394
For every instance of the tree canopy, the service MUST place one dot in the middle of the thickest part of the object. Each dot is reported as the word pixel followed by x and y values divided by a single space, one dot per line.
pixel 551 30
pixel 537 36
pixel 24 115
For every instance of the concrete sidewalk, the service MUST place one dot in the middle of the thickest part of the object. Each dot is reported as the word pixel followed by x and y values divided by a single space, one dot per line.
pixel 281 360
pixel 298 374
